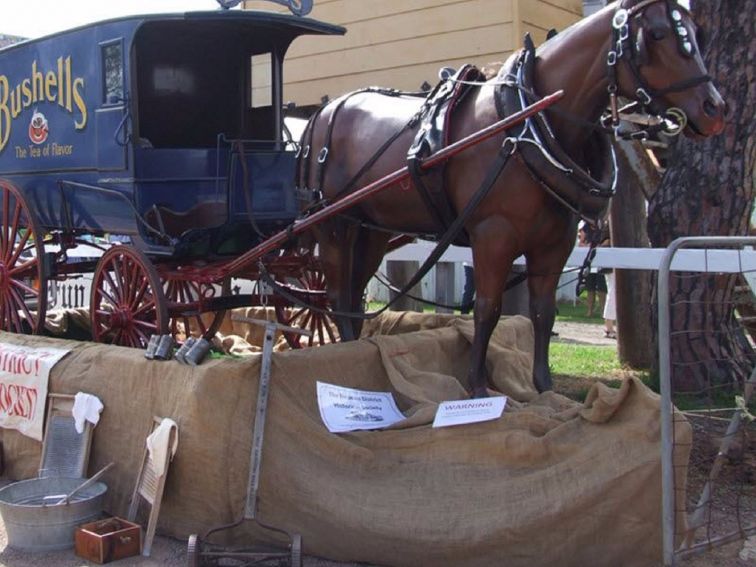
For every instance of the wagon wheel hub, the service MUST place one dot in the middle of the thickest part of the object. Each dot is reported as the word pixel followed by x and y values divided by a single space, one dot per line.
pixel 121 318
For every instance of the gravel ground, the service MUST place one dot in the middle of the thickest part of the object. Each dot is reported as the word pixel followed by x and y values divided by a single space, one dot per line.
pixel 169 552
pixel 166 552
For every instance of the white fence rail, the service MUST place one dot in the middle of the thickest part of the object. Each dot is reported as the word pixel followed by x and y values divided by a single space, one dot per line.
pixel 723 261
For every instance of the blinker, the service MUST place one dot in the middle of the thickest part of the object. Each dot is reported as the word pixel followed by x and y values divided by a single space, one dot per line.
pixel 683 41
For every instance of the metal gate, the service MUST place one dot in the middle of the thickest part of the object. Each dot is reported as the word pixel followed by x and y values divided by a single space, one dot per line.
pixel 715 503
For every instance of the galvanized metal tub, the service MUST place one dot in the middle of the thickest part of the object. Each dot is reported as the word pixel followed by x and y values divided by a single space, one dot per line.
pixel 33 526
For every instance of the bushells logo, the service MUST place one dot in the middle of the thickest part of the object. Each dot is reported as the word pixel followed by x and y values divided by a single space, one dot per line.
pixel 59 86
pixel 38 128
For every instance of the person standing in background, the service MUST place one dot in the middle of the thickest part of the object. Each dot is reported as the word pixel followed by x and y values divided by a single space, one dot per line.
pixel 610 307
pixel 595 284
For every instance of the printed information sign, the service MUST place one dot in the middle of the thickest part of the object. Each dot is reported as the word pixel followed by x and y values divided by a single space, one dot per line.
pixel 345 409
pixel 469 411
pixel 24 372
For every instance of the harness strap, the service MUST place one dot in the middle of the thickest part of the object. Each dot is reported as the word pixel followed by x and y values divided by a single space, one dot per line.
pixel 623 48
pixel 508 148
pixel 375 157
pixel 304 149
pixel 323 153
pixel 325 150
pixel 414 161
pixel 511 283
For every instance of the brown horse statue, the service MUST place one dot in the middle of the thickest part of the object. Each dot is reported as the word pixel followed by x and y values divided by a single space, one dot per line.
pixel 562 167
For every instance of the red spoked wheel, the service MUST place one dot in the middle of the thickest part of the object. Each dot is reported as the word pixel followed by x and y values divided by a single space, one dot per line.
pixel 199 325
pixel 128 305
pixel 23 283
pixel 310 287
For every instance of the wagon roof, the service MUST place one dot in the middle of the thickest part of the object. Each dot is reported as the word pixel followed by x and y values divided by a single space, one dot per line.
pixel 290 25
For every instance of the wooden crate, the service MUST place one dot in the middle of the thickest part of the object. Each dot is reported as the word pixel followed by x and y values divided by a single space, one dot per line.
pixel 108 540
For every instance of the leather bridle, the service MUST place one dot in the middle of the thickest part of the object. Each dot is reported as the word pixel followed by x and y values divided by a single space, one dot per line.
pixel 625 48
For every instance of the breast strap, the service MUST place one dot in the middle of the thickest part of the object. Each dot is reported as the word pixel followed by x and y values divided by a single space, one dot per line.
pixel 586 193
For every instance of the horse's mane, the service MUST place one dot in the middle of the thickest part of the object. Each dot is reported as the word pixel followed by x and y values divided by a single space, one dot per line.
pixel 491 69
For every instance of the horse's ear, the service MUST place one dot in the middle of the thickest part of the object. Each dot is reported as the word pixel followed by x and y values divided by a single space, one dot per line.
pixel 528 43
pixel 641 47
pixel 551 33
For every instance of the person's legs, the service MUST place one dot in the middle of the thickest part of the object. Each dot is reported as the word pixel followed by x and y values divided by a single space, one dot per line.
pixel 610 308
pixel 600 285
pixel 590 288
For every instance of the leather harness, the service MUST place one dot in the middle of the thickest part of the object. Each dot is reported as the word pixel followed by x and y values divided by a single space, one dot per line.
pixel 583 189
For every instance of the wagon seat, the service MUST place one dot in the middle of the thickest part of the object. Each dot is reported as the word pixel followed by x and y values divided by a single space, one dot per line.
pixel 210 157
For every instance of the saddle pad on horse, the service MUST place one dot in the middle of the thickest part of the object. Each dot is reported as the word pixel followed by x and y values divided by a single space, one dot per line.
pixel 433 135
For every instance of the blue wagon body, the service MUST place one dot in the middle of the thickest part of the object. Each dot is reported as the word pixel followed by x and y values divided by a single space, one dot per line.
pixel 165 131
pixel 140 118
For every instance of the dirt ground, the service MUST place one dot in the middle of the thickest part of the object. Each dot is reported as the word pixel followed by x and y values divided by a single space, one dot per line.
pixel 169 552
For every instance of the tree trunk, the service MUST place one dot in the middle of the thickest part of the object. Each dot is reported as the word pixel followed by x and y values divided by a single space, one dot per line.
pixel 627 220
pixel 708 190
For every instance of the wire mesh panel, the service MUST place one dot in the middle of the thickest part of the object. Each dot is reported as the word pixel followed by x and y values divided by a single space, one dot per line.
pixel 707 369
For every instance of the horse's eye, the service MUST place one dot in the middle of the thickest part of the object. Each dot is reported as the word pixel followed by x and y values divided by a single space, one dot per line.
pixel 658 34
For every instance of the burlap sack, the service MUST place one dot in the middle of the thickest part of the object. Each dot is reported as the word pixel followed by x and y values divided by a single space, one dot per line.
pixel 552 482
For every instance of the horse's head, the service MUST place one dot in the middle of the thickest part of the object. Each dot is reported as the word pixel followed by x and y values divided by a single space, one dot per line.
pixel 658 62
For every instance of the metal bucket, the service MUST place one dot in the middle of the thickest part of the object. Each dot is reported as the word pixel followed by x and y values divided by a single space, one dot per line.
pixel 33 526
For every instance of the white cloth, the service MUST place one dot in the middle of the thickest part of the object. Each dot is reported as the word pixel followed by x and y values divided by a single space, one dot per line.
pixel 610 306
pixel 157 444
pixel 86 408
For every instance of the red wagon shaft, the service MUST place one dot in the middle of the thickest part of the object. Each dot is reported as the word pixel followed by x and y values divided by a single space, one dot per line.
pixel 278 240
pixel 188 290
pixel 295 267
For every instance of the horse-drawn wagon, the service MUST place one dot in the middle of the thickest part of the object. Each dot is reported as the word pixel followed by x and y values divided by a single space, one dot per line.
pixel 169 131
pixel 165 132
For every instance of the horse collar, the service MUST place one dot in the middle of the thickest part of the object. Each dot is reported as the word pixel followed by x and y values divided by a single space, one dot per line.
pixel 586 188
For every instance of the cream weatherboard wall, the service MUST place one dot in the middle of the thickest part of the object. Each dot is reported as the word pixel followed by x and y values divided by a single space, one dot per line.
pixel 403 43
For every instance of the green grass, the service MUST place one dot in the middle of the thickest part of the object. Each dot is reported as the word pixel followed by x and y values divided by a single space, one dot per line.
pixel 577 313
pixel 588 361
pixel 577 367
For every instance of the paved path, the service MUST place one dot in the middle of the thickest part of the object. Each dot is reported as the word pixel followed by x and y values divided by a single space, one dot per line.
pixel 582 333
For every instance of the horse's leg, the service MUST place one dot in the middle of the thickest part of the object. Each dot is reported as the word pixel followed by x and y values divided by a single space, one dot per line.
pixel 492 260
pixel 544 270
pixel 369 249
pixel 336 240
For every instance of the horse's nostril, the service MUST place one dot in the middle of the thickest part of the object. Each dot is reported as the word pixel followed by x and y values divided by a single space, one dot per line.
pixel 710 108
